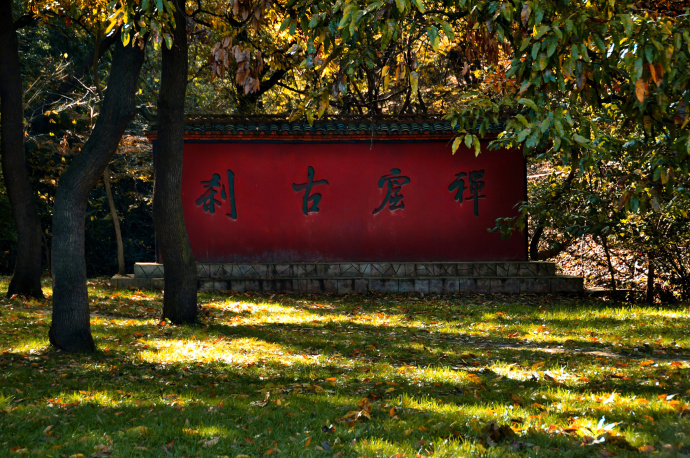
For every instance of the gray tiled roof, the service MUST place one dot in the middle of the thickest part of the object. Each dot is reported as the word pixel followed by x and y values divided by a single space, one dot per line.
pixel 233 125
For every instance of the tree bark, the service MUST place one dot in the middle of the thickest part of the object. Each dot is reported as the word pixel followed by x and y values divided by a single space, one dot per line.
pixel 180 294
pixel 70 329
pixel 26 279
pixel 116 222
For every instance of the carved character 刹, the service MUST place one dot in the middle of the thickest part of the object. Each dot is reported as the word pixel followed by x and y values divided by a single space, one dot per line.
pixel 213 188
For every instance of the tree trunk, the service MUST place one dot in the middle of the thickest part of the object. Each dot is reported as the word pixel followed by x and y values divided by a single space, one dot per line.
pixel 116 223
pixel 612 271
pixel 179 300
pixel 650 279
pixel 26 279
pixel 70 329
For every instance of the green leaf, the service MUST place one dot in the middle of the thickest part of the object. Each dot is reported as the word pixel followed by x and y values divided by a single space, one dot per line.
pixel 523 135
pixel 448 30
pixel 639 68
pixel 401 5
pixel 535 50
pixel 285 24
pixel 356 16
pixel 434 39
pixel 419 5
pixel 551 48
pixel 541 31
pixel 529 103
pixel 168 40
pixel 580 139
pixel 477 145
pixel 556 143
pixel 539 16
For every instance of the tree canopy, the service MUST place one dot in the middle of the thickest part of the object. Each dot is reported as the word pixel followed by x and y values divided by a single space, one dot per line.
pixel 597 91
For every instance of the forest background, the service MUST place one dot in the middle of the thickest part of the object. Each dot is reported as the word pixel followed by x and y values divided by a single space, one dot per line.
pixel 595 92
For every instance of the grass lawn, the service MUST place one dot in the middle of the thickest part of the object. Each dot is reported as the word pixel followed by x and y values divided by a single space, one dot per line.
pixel 374 376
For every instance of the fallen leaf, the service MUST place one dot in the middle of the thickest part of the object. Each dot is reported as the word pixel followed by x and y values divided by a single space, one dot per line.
pixel 211 442
pixel 138 430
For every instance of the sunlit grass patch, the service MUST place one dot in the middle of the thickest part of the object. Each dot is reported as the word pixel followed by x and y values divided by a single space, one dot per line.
pixel 264 375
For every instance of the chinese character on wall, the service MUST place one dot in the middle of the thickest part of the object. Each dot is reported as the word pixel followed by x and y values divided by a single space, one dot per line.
pixel 394 183
pixel 213 188
pixel 310 202
pixel 475 187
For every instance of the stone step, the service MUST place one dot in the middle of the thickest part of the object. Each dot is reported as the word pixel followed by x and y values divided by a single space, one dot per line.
pixel 438 285
pixel 277 271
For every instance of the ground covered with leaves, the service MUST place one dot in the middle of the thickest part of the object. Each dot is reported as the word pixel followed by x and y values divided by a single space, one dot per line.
pixel 372 376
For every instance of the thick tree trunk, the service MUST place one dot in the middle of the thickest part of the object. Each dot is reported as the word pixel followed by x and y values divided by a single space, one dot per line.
pixel 71 329
pixel 179 301
pixel 26 279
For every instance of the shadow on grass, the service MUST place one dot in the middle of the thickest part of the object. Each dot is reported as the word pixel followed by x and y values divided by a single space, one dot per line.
pixel 184 407
pixel 392 366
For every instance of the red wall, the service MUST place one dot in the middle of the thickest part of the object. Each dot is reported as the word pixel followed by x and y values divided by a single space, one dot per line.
pixel 269 223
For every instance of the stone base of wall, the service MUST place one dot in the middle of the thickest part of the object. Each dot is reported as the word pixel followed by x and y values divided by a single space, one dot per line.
pixel 361 277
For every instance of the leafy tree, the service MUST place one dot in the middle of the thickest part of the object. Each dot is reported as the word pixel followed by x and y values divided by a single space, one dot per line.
pixel 598 89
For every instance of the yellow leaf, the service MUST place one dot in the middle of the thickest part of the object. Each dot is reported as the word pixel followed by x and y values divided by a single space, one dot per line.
pixel 306 444
pixel 138 430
